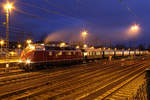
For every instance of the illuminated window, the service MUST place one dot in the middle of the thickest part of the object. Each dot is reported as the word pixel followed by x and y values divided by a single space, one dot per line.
pixel 91 53
pixel 50 54
pixel 74 53
pixel 69 53
pixel 60 53
pixel 97 53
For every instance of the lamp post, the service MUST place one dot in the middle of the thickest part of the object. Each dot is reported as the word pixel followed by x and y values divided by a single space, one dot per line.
pixel 8 7
pixel 134 30
pixel 19 46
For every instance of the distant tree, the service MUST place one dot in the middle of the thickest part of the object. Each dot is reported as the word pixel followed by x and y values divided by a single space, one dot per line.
pixel 148 48
pixel 141 47
pixel 43 36
pixel 120 46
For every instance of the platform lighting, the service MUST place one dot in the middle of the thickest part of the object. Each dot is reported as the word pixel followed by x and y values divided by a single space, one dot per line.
pixel 2 42
pixel 77 47
pixel 20 61
pixel 29 41
pixel 128 48
pixel 32 47
pixel 19 46
pixel 28 61
pixel 85 46
pixel 92 47
pixel 12 53
pixel 62 44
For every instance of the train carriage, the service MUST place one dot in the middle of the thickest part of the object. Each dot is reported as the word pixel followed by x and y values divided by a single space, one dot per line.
pixel 119 53
pixel 126 53
pixel 90 54
pixel 137 52
pixel 108 53
pixel 132 53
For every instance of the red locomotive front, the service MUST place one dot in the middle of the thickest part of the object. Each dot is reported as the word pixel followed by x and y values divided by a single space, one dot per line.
pixel 37 55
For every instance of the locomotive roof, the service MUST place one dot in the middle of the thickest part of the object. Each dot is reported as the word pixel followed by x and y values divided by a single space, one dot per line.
pixel 58 48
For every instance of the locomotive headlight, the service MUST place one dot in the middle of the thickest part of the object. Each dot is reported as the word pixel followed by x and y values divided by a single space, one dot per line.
pixel 20 61
pixel 28 61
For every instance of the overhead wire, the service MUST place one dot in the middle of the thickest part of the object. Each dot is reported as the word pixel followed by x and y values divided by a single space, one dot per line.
pixel 43 9
pixel 129 9
pixel 58 8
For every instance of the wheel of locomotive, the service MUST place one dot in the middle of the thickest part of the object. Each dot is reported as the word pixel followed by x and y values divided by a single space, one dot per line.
pixel 29 67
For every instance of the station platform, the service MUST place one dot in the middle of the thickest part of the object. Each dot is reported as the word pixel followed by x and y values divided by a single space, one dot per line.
pixel 11 61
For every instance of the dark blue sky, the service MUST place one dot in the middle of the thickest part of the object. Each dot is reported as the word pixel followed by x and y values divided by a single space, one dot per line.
pixel 65 19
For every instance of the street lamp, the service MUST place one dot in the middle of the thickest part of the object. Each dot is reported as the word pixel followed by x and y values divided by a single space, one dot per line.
pixel 1 43
pixel 84 34
pixel 134 30
pixel 85 46
pixel 8 6
pixel 19 46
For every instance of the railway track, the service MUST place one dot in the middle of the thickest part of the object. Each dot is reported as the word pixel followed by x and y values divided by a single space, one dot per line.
pixel 66 84
pixel 34 75
pixel 49 76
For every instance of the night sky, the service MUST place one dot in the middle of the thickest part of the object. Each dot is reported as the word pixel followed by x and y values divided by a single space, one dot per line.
pixel 65 19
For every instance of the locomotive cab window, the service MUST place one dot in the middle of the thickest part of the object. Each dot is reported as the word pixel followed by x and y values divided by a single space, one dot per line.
pixel 50 53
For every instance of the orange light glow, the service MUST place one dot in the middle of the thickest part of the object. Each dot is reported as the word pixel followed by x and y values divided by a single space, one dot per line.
pixel 85 46
pixel 2 42
pixel 77 47
pixel 84 33
pixel 29 41
pixel 135 28
pixel 19 45
pixel 62 44
pixel 8 6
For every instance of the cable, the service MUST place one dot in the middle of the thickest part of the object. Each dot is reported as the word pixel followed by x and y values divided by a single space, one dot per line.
pixel 25 13
pixel 127 8
pixel 43 9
